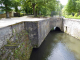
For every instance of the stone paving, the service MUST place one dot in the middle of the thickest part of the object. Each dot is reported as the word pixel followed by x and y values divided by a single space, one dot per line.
pixel 10 21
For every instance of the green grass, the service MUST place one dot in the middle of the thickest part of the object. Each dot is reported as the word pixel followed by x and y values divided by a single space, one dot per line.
pixel 73 17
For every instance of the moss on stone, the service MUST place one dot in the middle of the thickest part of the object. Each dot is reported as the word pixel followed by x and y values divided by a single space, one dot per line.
pixel 21 47
pixel 52 29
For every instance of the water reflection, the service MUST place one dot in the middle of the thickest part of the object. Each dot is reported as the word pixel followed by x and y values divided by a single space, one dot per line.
pixel 73 44
pixel 57 46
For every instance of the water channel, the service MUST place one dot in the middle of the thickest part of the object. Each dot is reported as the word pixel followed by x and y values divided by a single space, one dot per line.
pixel 57 46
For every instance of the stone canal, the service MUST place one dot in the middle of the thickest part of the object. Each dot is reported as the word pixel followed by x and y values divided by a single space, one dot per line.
pixel 57 46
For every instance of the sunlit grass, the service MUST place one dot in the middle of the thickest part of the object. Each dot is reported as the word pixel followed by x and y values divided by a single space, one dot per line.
pixel 72 17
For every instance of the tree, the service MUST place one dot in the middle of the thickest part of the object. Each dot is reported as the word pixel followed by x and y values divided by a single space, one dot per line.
pixel 78 6
pixel 6 6
pixel 42 6
pixel 16 3
pixel 71 6
pixel 64 12
pixel 27 7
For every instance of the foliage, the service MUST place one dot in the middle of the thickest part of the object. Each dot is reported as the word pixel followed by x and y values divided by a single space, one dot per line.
pixel 70 16
pixel 79 16
pixel 59 7
pixel 76 15
pixel 6 6
pixel 38 7
pixel 64 12
pixel 21 14
pixel 73 17
pixel 71 6
pixel 78 5
pixel 16 3
pixel 2 12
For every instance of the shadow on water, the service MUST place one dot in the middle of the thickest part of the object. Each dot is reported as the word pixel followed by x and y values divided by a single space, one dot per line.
pixel 53 48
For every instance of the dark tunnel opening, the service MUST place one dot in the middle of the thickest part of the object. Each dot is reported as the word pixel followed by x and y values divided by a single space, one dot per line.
pixel 57 29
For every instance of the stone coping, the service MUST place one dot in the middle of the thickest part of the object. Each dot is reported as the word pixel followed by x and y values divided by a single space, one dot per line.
pixel 12 21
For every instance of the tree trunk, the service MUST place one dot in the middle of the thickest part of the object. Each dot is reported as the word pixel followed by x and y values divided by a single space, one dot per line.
pixel 33 4
pixel 16 7
pixel 36 13
pixel 7 13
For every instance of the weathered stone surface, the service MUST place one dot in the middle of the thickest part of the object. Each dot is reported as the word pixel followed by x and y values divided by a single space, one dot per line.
pixel 32 29
pixel 17 28
pixel 17 49
pixel 11 46
pixel 38 30
pixel 56 22
pixel 43 30
pixel 72 27
pixel 5 33
pixel 5 55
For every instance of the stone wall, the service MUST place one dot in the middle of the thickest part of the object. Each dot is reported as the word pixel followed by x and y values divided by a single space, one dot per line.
pixel 7 32
pixel 72 27
pixel 4 15
pixel 43 30
pixel 38 30
pixel 14 43
pixel 56 22
pixel 32 29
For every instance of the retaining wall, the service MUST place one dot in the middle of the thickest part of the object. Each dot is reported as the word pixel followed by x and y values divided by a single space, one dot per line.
pixel 4 15
pixel 14 43
pixel 72 27
pixel 7 32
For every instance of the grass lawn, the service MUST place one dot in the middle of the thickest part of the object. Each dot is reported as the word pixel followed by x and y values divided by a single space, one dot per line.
pixel 73 17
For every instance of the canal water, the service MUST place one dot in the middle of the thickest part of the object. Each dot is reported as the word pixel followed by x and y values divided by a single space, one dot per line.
pixel 57 46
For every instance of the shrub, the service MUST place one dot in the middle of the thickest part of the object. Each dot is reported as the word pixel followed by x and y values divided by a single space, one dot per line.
pixel 21 14
pixel 66 16
pixel 79 16
pixel 70 16
pixel 76 15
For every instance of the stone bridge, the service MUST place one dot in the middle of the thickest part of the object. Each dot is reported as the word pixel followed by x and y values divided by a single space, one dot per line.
pixel 37 28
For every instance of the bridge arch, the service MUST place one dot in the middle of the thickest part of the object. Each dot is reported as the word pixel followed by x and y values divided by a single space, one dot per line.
pixel 57 29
